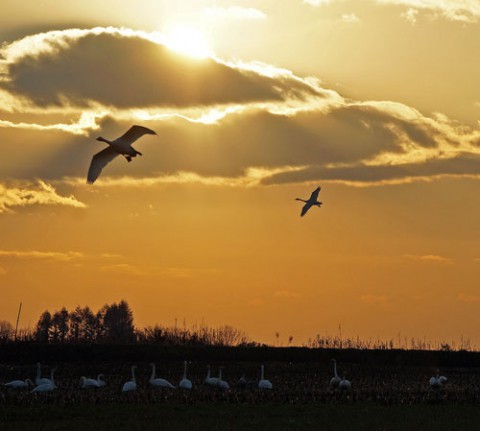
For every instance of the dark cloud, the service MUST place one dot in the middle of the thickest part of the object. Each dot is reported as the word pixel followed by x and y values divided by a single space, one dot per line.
pixel 320 146
pixel 132 71
pixel 462 164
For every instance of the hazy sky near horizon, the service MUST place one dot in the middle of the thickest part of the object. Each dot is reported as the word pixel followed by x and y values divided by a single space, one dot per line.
pixel 255 103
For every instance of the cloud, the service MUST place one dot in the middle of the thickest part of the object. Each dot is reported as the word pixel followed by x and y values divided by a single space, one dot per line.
pixel 256 303
pixel 410 15
pixel 86 122
pixel 357 143
pixel 318 2
pixel 465 297
pixel 3 271
pixel 286 294
pixel 350 18
pixel 70 68
pixel 373 299
pixel 467 11
pixel 123 268
pixel 430 258
pixel 233 12
pixel 258 124
pixel 34 254
pixel 455 10
pixel 38 194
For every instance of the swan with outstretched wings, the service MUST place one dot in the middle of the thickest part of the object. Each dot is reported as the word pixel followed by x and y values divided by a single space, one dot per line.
pixel 120 146
pixel 312 201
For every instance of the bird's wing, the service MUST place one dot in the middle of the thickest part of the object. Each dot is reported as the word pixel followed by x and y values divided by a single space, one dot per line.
pixel 99 161
pixel 135 132
pixel 314 195
pixel 305 208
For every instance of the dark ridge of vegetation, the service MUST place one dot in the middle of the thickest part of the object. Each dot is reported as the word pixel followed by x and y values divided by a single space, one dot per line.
pixel 28 352
pixel 109 335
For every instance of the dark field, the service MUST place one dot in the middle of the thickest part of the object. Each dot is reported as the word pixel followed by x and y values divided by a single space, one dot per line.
pixel 389 392
pixel 226 416
pixel 390 389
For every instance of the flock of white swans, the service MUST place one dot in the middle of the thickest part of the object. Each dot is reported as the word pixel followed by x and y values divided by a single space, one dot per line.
pixel 43 384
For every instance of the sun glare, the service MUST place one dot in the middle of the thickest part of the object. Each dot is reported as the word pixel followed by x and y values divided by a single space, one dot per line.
pixel 188 41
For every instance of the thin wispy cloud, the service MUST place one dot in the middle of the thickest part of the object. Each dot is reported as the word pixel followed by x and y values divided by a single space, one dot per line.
pixel 318 2
pixel 455 10
pixel 374 299
pixel 430 258
pixel 286 294
pixel 36 254
pixel 410 15
pixel 234 12
pixel 40 193
pixel 350 18
pixel 86 123
pixel 123 268
pixel 465 297
pixel 466 11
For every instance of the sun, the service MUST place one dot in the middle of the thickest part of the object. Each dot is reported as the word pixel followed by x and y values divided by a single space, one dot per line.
pixel 188 41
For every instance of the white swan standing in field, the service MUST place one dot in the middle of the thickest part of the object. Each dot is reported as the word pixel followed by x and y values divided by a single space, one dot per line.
pixel 437 381
pixel 210 381
pixel 185 383
pixel 159 383
pixel 17 384
pixel 46 387
pixel 88 383
pixel 263 383
pixel 38 379
pixel 131 385
pixel 222 384
pixel 345 384
pixel 335 380
pixel 312 201
pixel 120 146
pixel 100 382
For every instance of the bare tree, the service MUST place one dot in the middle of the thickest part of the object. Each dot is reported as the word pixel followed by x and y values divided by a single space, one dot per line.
pixel 6 331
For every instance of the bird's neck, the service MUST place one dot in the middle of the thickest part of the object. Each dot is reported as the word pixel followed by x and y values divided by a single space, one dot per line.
pixel 153 372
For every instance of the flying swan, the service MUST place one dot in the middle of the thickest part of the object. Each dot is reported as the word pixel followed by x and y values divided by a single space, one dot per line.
pixel 120 146
pixel 312 201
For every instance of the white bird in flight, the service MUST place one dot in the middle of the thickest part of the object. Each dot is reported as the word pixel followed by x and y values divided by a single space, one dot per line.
pixel 312 201
pixel 120 146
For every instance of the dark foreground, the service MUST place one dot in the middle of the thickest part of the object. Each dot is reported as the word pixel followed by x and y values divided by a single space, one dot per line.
pixel 221 416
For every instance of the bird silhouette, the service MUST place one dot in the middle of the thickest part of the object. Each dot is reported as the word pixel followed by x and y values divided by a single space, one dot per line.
pixel 120 146
pixel 312 201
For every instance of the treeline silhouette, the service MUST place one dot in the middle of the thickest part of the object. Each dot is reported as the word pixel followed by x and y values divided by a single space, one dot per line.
pixel 114 324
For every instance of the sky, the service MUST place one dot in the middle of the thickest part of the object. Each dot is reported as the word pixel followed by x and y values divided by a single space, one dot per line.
pixel 255 103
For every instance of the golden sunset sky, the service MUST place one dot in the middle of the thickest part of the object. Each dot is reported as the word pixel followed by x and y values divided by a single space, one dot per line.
pixel 255 103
